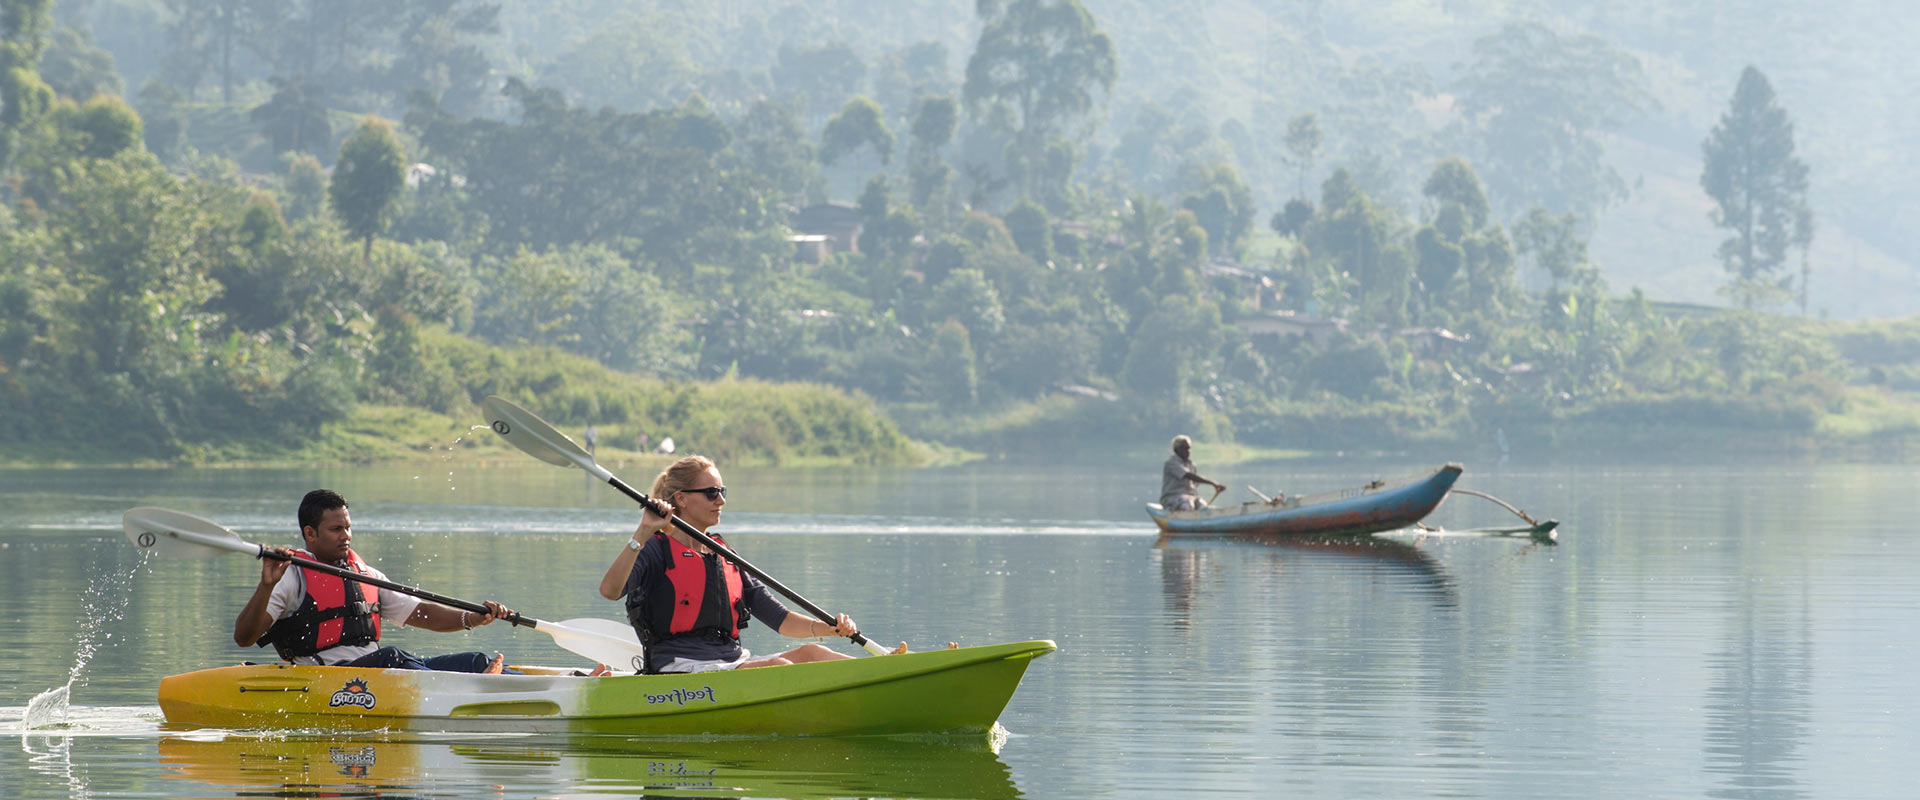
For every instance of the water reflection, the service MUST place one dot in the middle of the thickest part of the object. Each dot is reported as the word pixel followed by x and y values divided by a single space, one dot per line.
pixel 1187 563
pixel 428 766
pixel 1757 700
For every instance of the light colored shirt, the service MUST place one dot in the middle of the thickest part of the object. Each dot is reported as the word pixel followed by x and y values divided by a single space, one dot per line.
pixel 1173 479
pixel 395 608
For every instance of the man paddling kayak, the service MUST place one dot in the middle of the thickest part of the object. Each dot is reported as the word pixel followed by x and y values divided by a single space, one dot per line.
pixel 312 617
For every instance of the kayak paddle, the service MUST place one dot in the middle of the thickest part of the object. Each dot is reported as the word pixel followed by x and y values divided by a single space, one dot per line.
pixel 539 439
pixel 175 533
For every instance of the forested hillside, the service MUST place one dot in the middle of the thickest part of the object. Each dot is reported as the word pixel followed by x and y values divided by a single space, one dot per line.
pixel 1017 225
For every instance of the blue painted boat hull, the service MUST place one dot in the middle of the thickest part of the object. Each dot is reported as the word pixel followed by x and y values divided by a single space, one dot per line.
pixel 1366 509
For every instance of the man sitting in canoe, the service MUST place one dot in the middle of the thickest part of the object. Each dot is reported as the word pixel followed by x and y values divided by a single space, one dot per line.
pixel 1177 479
pixel 689 604
pixel 311 617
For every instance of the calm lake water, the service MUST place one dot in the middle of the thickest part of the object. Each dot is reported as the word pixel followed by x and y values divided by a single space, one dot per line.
pixel 1726 631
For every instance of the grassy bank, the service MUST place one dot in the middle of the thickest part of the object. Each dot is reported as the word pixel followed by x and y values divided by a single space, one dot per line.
pixel 431 410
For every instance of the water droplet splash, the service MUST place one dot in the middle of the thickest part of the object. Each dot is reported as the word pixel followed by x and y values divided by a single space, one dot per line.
pixel 107 597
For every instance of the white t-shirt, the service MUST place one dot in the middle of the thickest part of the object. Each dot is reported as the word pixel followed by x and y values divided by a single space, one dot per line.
pixel 395 608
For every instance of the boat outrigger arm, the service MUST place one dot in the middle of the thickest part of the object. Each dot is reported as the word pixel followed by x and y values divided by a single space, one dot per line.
pixel 1537 526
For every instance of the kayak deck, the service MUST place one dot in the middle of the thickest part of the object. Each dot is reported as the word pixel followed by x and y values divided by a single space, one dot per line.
pixel 961 690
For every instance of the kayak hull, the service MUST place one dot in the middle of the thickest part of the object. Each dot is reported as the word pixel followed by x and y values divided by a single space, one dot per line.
pixel 962 690
pixel 1367 509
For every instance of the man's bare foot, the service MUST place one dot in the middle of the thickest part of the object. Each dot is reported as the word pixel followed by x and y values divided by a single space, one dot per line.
pixel 599 670
pixel 899 650
pixel 953 645
pixel 498 663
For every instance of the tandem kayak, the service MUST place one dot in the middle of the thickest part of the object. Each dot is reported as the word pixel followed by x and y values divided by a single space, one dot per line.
pixel 1377 506
pixel 961 690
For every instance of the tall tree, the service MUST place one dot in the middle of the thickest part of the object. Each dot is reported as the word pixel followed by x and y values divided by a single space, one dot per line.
pixel 1035 72
pixel 858 123
pixel 934 121
pixel 1453 182
pixel 367 179
pixel 820 75
pixel 1759 189
pixel 1554 245
pixel 24 97
pixel 1303 146
pixel 1538 102
pixel 205 33
pixel 1223 204
pixel 295 118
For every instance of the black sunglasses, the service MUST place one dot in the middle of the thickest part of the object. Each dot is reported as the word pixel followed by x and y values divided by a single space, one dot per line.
pixel 712 492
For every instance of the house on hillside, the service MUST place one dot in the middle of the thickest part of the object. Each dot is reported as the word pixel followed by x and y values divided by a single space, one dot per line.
pixel 822 229
pixel 1289 328
pixel 1432 342
pixel 1255 288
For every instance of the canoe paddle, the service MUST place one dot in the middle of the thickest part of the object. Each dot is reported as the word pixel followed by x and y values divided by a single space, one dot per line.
pixel 527 431
pixel 174 533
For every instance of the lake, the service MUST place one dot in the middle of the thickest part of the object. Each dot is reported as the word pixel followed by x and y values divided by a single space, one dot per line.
pixel 1729 631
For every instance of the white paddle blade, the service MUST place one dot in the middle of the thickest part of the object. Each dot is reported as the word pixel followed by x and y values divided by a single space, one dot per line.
pixel 530 433
pixel 179 534
pixel 602 640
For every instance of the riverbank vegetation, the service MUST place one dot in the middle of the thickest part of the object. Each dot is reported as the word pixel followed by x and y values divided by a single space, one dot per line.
pixel 818 250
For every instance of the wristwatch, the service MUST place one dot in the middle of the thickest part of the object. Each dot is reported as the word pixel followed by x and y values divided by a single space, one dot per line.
pixel 634 544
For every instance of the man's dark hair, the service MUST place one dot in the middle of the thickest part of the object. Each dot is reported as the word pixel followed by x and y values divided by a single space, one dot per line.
pixel 316 504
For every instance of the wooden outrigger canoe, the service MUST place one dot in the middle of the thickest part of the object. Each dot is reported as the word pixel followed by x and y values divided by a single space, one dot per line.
pixel 1378 506
pixel 936 691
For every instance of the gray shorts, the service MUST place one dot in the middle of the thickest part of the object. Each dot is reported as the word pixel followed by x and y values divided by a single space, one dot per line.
pixel 682 664
pixel 1185 502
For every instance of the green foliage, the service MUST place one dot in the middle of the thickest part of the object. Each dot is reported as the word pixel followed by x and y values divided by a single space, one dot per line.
pixel 858 124
pixel 1454 184
pixel 305 185
pixel 1032 233
pixel 1553 245
pixel 1223 204
pixel 928 174
pixel 1538 102
pixel 666 182
pixel 163 121
pixel 735 421
pixel 1759 188
pixel 75 68
pixel 952 371
pixel 587 300
pixel 295 118
pixel 1303 147
pixel 630 215
pixel 367 179
pixel 1035 71
pixel 818 74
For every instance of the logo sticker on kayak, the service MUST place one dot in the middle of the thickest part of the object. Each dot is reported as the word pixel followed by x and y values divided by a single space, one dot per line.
pixel 680 697
pixel 353 763
pixel 355 693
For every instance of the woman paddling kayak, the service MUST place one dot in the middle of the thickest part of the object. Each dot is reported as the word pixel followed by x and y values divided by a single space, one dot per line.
pixel 686 602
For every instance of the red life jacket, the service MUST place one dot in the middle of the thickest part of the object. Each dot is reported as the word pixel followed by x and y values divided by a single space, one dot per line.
pixel 335 611
pixel 685 609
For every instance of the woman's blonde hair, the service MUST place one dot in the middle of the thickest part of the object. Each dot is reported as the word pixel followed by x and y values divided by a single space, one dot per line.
pixel 680 475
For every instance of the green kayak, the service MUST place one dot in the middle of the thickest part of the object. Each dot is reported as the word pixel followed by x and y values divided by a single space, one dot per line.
pixel 961 690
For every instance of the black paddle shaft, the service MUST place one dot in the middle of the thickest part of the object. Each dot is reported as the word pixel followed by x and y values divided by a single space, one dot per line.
pixel 653 505
pixel 463 605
